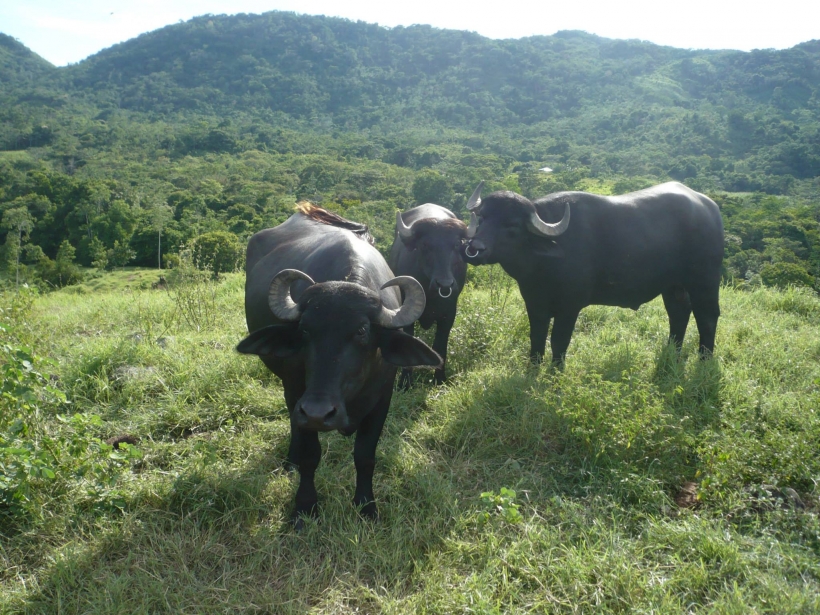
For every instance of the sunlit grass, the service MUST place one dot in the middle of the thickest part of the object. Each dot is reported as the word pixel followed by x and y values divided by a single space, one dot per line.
pixel 595 453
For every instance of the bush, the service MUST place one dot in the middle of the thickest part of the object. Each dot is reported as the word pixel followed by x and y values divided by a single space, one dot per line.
pixel 40 460
pixel 783 275
pixel 219 252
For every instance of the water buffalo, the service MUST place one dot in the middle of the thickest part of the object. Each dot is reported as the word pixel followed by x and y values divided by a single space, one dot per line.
pixel 427 246
pixel 324 311
pixel 620 250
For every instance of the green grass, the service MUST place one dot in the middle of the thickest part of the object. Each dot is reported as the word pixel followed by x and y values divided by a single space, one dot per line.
pixel 595 454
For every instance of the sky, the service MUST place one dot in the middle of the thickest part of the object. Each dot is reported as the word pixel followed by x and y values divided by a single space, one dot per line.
pixel 67 31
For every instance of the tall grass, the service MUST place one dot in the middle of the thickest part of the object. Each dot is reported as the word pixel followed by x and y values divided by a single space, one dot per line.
pixel 595 455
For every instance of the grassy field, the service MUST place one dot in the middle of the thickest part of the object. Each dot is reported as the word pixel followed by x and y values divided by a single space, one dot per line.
pixel 591 460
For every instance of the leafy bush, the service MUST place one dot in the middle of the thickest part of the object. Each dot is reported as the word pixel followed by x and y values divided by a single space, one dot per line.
pixel 219 252
pixel 783 275
pixel 501 504
pixel 41 460
pixel 194 293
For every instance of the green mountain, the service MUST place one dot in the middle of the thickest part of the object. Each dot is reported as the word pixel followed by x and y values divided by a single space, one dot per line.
pixel 19 66
pixel 229 119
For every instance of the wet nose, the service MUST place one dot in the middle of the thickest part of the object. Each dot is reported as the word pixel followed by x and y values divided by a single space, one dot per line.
pixel 317 414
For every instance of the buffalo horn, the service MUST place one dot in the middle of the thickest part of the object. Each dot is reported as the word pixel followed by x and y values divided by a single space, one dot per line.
pixel 545 229
pixel 279 299
pixel 410 310
pixel 405 232
pixel 473 225
pixel 475 199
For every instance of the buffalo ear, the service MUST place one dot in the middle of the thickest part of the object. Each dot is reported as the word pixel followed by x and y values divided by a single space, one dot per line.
pixel 280 341
pixel 549 248
pixel 409 242
pixel 405 350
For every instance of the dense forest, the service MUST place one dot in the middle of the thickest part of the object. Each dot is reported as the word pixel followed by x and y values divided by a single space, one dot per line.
pixel 212 129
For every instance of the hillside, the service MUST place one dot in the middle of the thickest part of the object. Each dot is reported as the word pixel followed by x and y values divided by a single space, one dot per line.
pixel 20 67
pixel 229 120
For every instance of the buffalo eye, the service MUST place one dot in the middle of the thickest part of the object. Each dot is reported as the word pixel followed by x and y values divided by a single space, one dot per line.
pixel 362 334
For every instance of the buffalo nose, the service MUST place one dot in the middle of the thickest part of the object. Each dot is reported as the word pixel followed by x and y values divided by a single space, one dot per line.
pixel 473 248
pixel 445 286
pixel 317 414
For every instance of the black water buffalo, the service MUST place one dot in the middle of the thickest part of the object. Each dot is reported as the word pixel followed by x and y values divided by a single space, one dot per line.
pixel 427 246
pixel 324 310
pixel 620 250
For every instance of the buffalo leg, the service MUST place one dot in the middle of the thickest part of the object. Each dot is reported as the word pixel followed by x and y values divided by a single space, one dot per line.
pixel 539 325
pixel 443 328
pixel 562 330
pixel 406 378
pixel 706 308
pixel 676 302
pixel 308 451
pixel 364 456
pixel 291 398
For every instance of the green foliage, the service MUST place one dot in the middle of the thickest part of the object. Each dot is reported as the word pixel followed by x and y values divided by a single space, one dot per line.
pixel 432 187
pixel 783 275
pixel 217 252
pixel 41 462
pixel 119 255
pixel 199 128
pixel 501 504
pixel 62 271
pixel 193 290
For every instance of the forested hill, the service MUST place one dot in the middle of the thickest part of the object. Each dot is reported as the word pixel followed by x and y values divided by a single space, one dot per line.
pixel 227 120
pixel 362 73
pixel 624 107
pixel 20 67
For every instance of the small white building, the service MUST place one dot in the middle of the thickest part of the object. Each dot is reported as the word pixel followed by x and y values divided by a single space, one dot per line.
pixel 545 170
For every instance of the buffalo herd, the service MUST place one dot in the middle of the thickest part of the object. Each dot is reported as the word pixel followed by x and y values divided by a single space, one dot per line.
pixel 333 320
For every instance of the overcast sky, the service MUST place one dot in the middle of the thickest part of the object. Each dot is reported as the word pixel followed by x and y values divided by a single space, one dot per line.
pixel 64 31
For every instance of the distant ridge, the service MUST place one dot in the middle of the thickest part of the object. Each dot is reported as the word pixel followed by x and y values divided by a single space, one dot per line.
pixel 19 65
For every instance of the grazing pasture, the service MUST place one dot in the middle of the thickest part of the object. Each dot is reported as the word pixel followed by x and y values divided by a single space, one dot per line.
pixel 629 482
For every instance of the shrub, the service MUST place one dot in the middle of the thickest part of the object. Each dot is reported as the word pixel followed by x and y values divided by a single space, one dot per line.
pixel 783 275
pixel 219 252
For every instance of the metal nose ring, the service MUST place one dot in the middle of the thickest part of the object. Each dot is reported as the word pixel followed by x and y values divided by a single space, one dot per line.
pixel 449 292
pixel 467 252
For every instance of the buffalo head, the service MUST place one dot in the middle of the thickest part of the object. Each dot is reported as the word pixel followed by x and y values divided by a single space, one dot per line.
pixel 343 335
pixel 505 223
pixel 437 243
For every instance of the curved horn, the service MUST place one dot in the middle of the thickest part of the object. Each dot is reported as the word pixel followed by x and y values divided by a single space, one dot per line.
pixel 410 310
pixel 405 232
pixel 279 299
pixel 473 225
pixel 475 199
pixel 545 229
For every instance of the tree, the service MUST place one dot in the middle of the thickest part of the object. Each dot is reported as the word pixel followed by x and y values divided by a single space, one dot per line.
pixel 99 255
pixel 161 214
pixel 19 223
pixel 59 272
pixel 432 187
pixel 219 252
pixel 785 274
pixel 120 255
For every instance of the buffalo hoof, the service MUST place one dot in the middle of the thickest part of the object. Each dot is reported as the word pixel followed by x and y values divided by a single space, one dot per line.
pixel 302 512
pixel 368 511
pixel 440 378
